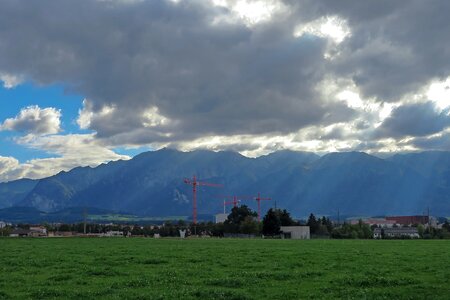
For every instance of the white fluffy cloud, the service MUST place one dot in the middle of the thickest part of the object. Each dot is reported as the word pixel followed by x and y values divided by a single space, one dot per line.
pixel 35 120
pixel 10 169
pixel 10 81
pixel 70 151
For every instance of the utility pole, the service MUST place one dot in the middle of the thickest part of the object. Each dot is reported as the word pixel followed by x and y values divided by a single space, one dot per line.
pixel 194 182
pixel 84 217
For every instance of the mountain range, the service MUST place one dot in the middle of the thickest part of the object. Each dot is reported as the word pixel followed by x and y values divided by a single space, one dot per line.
pixel 151 184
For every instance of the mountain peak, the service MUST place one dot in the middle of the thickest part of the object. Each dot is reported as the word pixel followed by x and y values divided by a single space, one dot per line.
pixel 302 182
pixel 289 155
pixel 337 159
pixel 352 155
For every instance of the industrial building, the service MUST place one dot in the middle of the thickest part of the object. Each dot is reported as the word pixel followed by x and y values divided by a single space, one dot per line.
pixel 409 220
pixel 295 232
pixel 392 221
pixel 220 218
pixel 396 232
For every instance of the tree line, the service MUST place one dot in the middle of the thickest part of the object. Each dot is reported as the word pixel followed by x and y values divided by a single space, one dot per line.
pixel 243 220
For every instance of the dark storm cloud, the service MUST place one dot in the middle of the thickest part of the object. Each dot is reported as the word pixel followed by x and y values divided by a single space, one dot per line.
pixel 411 49
pixel 441 142
pixel 210 79
pixel 224 78
pixel 395 46
pixel 414 120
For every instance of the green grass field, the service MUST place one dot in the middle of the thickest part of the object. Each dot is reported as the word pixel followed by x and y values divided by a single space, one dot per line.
pixel 138 268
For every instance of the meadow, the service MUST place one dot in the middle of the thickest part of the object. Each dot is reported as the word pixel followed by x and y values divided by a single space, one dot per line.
pixel 144 268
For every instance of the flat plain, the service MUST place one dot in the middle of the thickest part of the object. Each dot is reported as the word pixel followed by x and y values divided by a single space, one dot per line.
pixel 144 268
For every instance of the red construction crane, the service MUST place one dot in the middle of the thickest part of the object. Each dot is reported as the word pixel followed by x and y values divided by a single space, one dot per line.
pixel 258 199
pixel 194 184
pixel 235 201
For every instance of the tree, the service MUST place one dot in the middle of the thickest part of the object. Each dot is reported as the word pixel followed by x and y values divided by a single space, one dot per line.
pixel 137 230
pixel 64 227
pixel 322 230
pixel 23 226
pixel 217 229
pixel 249 226
pixel 421 230
pixel 313 224
pixel 271 223
pixel 446 225
pixel 348 231
pixel 237 216
pixel 79 227
pixel 366 232
pixel 327 223
pixel 285 218
pixel 5 231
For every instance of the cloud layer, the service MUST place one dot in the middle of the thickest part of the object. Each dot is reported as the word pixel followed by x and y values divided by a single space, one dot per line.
pixel 202 75
pixel 69 151
pixel 253 76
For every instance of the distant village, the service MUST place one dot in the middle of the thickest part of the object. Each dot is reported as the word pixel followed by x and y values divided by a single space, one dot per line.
pixel 242 223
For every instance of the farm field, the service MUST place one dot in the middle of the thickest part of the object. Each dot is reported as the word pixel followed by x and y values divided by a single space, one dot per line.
pixel 144 268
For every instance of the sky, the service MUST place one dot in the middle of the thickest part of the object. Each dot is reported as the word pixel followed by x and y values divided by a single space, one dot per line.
pixel 86 82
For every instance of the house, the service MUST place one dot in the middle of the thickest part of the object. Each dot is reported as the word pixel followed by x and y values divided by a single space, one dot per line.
pixel 2 224
pixel 64 233
pixel 36 234
pixel 377 233
pixel 396 232
pixel 295 232
pixel 19 232
pixel 37 231
pixel 113 233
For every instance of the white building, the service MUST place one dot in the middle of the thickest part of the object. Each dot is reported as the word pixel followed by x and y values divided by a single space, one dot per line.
pixel 39 230
pixel 114 233
pixel 220 218
pixel 396 232
pixel 2 224
pixel 295 232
